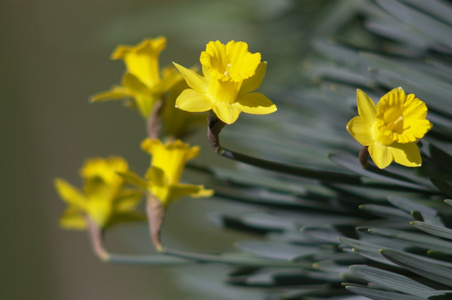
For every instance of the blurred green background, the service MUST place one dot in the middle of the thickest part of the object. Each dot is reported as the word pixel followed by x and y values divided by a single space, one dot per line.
pixel 54 55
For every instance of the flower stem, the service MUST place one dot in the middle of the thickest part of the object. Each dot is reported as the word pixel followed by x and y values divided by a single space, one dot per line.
pixel 214 127
pixel 154 122
pixel 95 237
pixel 213 133
pixel 363 156
pixel 156 212
pixel 234 259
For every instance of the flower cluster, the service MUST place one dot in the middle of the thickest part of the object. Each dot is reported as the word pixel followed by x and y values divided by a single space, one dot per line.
pixel 391 128
pixel 104 199
pixel 230 75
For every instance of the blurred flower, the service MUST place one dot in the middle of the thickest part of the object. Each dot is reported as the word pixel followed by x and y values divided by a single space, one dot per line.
pixel 168 163
pixel 391 128
pixel 104 198
pixel 231 73
pixel 142 82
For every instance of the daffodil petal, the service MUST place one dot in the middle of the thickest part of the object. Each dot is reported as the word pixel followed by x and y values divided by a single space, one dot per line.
pixel 380 154
pixel 150 145
pixel 73 219
pixel 156 177
pixel 406 154
pixel 166 83
pixel 133 178
pixel 243 63
pixel 143 96
pixel 255 103
pixel 414 108
pixel 193 101
pixel 194 191
pixel 366 107
pixel 193 79
pixel 100 211
pixel 142 59
pixel 252 83
pixel 70 194
pixel 116 93
pixel 133 84
pixel 127 201
pixel 226 112
pixel 360 130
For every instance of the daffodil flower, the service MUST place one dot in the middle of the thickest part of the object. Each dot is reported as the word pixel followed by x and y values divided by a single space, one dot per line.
pixel 104 198
pixel 231 74
pixel 391 128
pixel 143 81
pixel 163 176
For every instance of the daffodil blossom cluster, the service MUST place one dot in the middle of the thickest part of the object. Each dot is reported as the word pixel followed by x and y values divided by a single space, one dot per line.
pixel 104 198
pixel 391 128
pixel 165 99
pixel 231 74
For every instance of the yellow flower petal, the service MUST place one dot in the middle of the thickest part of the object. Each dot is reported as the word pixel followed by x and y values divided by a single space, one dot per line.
pixel 127 201
pixel 144 98
pixel 70 194
pixel 360 130
pixel 194 191
pixel 133 178
pixel 73 219
pixel 251 84
pixel 255 103
pixel 150 146
pixel 226 112
pixel 142 60
pixel 406 154
pixel 193 101
pixel 380 154
pixel 243 63
pixel 402 117
pixel 414 108
pixel 366 107
pixel 100 211
pixel 231 62
pixel 116 93
pixel 193 79
pixel 156 176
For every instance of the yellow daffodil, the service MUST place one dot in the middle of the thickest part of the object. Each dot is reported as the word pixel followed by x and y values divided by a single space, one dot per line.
pixel 230 75
pixel 143 81
pixel 391 128
pixel 104 198
pixel 168 163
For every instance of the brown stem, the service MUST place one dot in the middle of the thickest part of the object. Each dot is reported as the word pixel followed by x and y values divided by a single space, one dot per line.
pixel 363 156
pixel 156 212
pixel 95 236
pixel 154 122
pixel 214 126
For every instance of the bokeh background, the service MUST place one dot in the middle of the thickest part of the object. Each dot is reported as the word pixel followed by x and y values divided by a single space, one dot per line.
pixel 54 55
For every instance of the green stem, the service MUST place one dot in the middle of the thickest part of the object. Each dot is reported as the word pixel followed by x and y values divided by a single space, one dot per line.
pixel 363 156
pixel 242 260
pixel 213 134
pixel 96 239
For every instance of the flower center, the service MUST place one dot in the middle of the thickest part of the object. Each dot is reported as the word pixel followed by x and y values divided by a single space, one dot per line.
pixel 396 126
